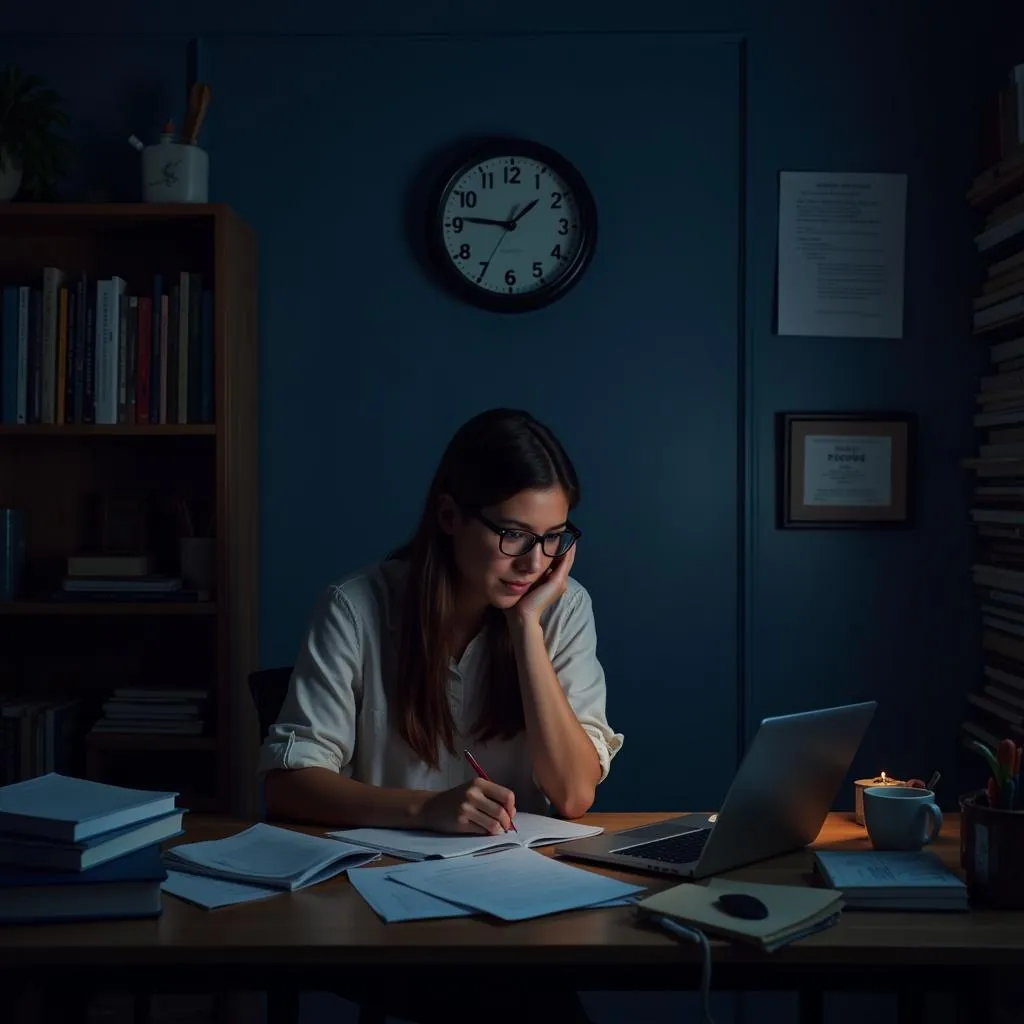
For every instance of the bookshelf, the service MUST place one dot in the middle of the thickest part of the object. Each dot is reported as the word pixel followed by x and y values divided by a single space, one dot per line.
pixel 149 434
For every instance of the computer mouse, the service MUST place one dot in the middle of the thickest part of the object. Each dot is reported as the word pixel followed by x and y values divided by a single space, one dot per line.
pixel 741 904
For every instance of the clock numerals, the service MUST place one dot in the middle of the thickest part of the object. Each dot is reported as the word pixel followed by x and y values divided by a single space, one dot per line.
pixel 515 230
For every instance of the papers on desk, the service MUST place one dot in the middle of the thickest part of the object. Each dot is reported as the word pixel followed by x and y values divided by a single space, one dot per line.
pixel 213 893
pixel 512 885
pixel 266 856
pixel 420 844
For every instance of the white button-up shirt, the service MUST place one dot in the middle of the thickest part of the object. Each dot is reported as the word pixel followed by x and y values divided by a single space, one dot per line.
pixel 336 713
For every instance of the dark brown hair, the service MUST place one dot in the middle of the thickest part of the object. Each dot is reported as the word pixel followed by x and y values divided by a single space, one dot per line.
pixel 491 458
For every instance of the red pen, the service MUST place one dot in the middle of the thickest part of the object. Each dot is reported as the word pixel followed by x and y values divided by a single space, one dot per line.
pixel 475 765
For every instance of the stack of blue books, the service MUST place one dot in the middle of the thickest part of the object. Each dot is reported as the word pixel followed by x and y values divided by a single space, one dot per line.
pixel 75 850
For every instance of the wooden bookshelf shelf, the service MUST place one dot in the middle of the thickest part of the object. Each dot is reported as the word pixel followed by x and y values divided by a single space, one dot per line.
pixel 131 314
pixel 108 608
pixel 149 741
pixel 57 430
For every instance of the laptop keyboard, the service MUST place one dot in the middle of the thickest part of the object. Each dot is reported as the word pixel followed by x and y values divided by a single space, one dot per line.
pixel 681 849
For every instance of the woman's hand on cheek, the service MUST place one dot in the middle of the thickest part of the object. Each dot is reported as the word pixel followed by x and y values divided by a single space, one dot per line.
pixel 547 590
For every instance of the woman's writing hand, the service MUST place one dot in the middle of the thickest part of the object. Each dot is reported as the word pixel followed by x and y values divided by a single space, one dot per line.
pixel 479 807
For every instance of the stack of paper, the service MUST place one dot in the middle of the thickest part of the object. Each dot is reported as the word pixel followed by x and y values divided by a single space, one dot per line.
pixel 512 885
pixel 73 849
pixel 258 862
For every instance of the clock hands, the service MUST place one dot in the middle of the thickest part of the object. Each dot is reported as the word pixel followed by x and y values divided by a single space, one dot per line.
pixel 522 213
pixel 486 220
pixel 508 225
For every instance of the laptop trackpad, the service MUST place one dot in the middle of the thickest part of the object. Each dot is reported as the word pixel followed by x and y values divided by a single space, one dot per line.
pixel 659 830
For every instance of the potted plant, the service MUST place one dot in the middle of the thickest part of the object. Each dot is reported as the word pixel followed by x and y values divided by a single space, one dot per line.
pixel 33 156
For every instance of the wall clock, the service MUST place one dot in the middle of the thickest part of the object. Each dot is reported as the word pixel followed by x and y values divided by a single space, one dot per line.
pixel 512 225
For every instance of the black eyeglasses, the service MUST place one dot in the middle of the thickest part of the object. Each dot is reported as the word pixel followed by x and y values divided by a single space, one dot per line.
pixel 516 542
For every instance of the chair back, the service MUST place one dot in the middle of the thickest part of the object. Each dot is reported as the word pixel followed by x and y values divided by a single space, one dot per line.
pixel 268 687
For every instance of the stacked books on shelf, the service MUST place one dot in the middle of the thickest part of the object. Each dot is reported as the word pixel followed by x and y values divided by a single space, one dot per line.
pixel 78 350
pixel 74 850
pixel 996 197
pixel 148 710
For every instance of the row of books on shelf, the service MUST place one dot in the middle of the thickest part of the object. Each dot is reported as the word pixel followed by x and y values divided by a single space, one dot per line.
pixel 995 705
pixel 86 351
pixel 40 734
pixel 997 195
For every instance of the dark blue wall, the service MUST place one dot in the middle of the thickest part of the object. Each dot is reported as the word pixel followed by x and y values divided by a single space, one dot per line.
pixel 709 618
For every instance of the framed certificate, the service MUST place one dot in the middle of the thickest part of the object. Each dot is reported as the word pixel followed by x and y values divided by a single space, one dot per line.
pixel 844 470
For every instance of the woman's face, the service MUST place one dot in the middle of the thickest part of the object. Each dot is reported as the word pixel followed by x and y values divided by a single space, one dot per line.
pixel 488 574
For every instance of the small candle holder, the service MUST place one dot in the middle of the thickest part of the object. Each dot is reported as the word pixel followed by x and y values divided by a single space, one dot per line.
pixel 859 785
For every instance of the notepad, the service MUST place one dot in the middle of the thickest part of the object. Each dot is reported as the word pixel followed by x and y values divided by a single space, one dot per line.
pixel 512 885
pixel 69 809
pixel 794 911
pixel 262 854
pixel 415 844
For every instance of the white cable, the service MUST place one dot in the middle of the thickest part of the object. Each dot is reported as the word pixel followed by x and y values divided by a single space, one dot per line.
pixel 694 935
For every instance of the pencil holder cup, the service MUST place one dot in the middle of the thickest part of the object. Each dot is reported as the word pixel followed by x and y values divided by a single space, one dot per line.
pixel 197 563
pixel 991 853
pixel 175 172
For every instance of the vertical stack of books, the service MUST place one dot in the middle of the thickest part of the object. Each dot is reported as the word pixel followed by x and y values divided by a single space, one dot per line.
pixel 75 850
pixel 996 198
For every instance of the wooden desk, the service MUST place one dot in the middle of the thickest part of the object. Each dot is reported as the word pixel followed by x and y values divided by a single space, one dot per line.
pixel 321 936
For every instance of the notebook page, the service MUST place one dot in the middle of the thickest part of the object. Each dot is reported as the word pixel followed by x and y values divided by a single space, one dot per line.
pixel 419 844
pixel 268 855
pixel 541 829
pixel 514 885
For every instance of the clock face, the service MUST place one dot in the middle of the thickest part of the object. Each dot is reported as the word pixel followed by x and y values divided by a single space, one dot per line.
pixel 514 226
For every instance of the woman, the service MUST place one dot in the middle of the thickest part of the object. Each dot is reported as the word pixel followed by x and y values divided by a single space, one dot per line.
pixel 473 636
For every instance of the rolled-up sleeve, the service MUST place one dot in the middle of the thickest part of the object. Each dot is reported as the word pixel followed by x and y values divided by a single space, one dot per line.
pixel 581 676
pixel 316 726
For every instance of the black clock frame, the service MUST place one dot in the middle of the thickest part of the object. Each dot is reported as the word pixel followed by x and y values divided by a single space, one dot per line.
pixel 456 282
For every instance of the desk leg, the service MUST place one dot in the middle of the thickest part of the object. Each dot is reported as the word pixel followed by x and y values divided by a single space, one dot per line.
pixel 812 1006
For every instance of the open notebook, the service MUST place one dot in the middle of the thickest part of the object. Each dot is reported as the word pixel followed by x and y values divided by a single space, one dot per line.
pixel 414 844
pixel 266 855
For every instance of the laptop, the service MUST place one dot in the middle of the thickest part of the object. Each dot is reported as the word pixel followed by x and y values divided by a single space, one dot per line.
pixel 778 801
